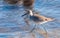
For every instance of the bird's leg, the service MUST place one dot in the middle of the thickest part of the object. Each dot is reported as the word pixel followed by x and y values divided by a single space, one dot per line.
pixel 42 32
pixel 27 21
pixel 27 24
pixel 33 34
pixel 33 28
pixel 46 36
pixel 32 31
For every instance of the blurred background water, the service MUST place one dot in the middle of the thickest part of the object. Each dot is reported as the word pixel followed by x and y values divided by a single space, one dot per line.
pixel 13 26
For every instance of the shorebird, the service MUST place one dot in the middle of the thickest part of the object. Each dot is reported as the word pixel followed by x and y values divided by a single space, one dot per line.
pixel 36 18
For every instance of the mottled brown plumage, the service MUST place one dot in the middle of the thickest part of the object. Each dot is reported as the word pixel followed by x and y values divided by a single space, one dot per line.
pixel 25 2
pixel 28 2
pixel 12 1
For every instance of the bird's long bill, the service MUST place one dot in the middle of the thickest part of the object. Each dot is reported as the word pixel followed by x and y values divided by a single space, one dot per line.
pixel 24 14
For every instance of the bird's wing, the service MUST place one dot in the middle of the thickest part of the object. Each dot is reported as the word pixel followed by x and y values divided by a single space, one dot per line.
pixel 40 16
pixel 43 17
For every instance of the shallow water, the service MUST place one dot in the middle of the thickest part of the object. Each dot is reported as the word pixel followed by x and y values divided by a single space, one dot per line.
pixel 13 26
